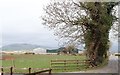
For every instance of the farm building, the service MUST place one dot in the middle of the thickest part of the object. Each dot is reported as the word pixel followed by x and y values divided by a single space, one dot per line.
pixel 80 52
pixel 39 51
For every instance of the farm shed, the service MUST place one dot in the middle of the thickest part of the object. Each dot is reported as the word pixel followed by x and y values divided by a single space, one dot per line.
pixel 80 52
pixel 39 51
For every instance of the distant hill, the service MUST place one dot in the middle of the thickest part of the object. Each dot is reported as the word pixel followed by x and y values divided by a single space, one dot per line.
pixel 20 47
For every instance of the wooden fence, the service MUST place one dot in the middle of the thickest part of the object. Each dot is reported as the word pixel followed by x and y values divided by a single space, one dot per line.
pixel 67 65
pixel 29 71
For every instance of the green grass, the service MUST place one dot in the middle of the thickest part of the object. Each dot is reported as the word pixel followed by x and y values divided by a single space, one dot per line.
pixel 36 61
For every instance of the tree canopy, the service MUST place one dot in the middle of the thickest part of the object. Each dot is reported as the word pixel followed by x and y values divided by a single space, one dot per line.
pixel 83 22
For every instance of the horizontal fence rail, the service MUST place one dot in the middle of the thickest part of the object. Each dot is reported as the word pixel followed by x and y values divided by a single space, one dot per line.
pixel 24 71
pixel 42 71
pixel 67 65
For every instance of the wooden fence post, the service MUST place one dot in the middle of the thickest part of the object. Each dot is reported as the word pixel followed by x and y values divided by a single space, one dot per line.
pixel 50 71
pixel 65 65
pixel 77 62
pixel 29 70
pixel 11 70
pixel 2 71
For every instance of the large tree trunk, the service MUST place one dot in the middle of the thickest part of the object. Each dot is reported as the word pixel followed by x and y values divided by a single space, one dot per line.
pixel 97 46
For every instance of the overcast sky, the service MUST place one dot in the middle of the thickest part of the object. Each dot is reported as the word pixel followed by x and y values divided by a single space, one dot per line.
pixel 20 22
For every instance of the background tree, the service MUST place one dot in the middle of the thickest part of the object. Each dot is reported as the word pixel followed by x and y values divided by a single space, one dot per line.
pixel 83 22
pixel 70 48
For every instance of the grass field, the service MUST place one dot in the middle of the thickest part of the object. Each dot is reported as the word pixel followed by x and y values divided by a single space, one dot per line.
pixel 35 61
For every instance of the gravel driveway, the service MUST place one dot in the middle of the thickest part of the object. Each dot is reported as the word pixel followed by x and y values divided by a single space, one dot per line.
pixel 112 67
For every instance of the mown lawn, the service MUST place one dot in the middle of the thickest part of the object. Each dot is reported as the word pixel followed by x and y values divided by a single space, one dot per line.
pixel 35 61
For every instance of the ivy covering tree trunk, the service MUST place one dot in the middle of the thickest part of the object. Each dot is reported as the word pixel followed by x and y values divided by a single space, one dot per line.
pixel 83 22
pixel 97 29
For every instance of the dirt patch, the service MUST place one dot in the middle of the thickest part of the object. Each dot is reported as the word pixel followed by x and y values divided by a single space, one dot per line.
pixel 7 58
